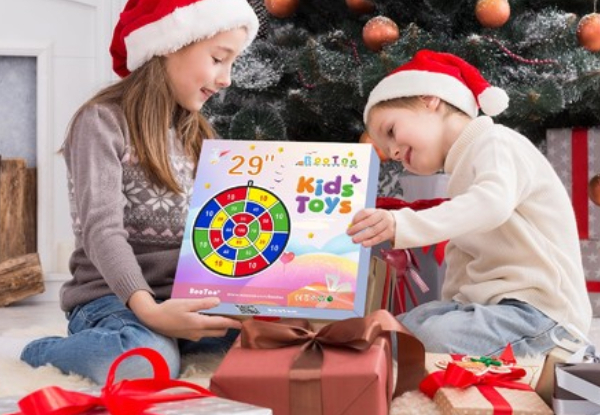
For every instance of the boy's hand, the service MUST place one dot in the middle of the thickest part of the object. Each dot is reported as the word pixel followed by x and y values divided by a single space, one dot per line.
pixel 372 226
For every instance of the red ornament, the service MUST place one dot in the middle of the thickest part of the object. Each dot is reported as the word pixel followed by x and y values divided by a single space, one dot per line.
pixel 380 31
pixel 282 8
pixel 588 32
pixel 594 189
pixel 492 13
pixel 366 138
pixel 361 6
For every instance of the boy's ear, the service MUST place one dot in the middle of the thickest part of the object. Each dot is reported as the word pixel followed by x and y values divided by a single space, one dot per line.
pixel 431 102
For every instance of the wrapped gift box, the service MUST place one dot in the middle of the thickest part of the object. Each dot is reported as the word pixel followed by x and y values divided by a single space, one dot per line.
pixel 577 389
pixel 203 406
pixel 545 384
pixel 572 153
pixel 485 399
pixel 144 396
pixel 349 382
pixel 470 401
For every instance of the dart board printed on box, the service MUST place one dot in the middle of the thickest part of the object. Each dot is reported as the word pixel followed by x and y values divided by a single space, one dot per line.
pixel 266 229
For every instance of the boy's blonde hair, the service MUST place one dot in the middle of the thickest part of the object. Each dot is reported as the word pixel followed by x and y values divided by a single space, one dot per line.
pixel 151 110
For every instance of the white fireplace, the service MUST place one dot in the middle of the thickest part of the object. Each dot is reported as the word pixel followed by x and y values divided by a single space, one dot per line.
pixel 69 40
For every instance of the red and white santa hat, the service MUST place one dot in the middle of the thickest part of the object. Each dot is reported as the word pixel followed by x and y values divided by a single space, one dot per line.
pixel 445 76
pixel 148 28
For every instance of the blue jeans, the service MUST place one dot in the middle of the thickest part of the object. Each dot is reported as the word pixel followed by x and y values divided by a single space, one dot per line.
pixel 475 329
pixel 103 329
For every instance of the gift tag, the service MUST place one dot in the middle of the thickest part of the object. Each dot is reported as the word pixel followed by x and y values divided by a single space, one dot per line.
pixel 477 368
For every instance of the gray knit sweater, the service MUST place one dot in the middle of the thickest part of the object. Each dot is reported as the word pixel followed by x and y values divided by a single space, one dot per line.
pixel 128 231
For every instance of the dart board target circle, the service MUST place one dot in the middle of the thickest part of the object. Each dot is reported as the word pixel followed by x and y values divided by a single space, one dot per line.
pixel 241 231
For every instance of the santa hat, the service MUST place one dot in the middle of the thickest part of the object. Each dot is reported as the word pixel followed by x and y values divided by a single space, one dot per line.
pixel 148 28
pixel 445 76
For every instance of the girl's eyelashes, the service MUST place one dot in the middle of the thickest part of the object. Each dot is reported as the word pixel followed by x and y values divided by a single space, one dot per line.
pixel 217 60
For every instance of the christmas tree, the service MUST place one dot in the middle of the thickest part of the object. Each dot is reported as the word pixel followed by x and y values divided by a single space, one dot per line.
pixel 309 74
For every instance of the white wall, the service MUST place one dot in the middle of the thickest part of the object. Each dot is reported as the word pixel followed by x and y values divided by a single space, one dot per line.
pixel 70 39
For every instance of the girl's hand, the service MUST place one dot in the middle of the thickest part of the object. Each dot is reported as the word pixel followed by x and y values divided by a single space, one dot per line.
pixel 180 317
pixel 372 226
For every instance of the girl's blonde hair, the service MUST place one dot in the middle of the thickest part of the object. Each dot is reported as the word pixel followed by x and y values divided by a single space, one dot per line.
pixel 151 110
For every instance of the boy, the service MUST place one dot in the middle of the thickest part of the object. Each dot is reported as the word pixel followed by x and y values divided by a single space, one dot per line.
pixel 514 268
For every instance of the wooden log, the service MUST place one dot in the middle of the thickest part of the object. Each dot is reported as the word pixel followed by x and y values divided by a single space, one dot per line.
pixel 18 210
pixel 20 278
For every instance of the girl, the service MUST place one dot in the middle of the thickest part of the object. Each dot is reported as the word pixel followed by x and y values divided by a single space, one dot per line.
pixel 514 267
pixel 131 153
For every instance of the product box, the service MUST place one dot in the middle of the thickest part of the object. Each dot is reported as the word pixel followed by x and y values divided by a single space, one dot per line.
pixel 266 229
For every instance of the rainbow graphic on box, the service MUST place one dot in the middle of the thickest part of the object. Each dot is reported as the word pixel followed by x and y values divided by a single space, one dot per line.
pixel 266 229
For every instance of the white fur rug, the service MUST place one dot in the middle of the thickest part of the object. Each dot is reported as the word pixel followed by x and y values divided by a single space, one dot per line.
pixel 19 379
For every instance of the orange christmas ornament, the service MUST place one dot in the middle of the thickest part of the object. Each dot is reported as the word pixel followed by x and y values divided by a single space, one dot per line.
pixel 492 13
pixel 366 138
pixel 361 6
pixel 594 189
pixel 282 8
pixel 380 31
pixel 588 32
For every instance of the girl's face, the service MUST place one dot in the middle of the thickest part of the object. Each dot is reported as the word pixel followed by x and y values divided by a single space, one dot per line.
pixel 200 70
pixel 412 136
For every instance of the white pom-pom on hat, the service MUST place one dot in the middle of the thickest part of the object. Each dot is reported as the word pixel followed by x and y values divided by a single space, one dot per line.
pixel 493 100
pixel 442 75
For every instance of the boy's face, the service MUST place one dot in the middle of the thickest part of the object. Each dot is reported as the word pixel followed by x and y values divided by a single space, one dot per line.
pixel 413 136
pixel 198 71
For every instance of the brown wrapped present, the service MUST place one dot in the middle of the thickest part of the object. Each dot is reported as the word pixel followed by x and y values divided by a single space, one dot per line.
pixel 343 369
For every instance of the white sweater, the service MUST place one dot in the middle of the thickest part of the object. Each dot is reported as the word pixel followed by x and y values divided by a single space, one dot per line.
pixel 511 227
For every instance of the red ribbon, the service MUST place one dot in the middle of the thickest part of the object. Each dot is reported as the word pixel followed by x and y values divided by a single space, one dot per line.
pixel 406 266
pixel 458 377
pixel 593 286
pixel 128 397
pixel 439 251
pixel 579 184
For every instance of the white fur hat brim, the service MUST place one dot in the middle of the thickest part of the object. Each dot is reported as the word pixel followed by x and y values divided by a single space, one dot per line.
pixel 185 25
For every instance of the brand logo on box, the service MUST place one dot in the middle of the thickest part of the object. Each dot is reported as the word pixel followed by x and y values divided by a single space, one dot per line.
pixel 204 291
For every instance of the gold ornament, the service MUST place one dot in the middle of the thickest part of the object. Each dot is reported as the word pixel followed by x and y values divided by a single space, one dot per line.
pixel 594 189
pixel 361 6
pixel 282 8
pixel 492 13
pixel 380 31
pixel 366 138
pixel 588 32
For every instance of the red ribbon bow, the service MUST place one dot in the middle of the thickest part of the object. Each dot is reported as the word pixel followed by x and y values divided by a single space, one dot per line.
pixel 459 377
pixel 128 397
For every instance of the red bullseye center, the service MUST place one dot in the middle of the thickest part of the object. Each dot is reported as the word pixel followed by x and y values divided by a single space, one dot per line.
pixel 240 230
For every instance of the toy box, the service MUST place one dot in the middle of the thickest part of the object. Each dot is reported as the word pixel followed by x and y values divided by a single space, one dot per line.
pixel 266 229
